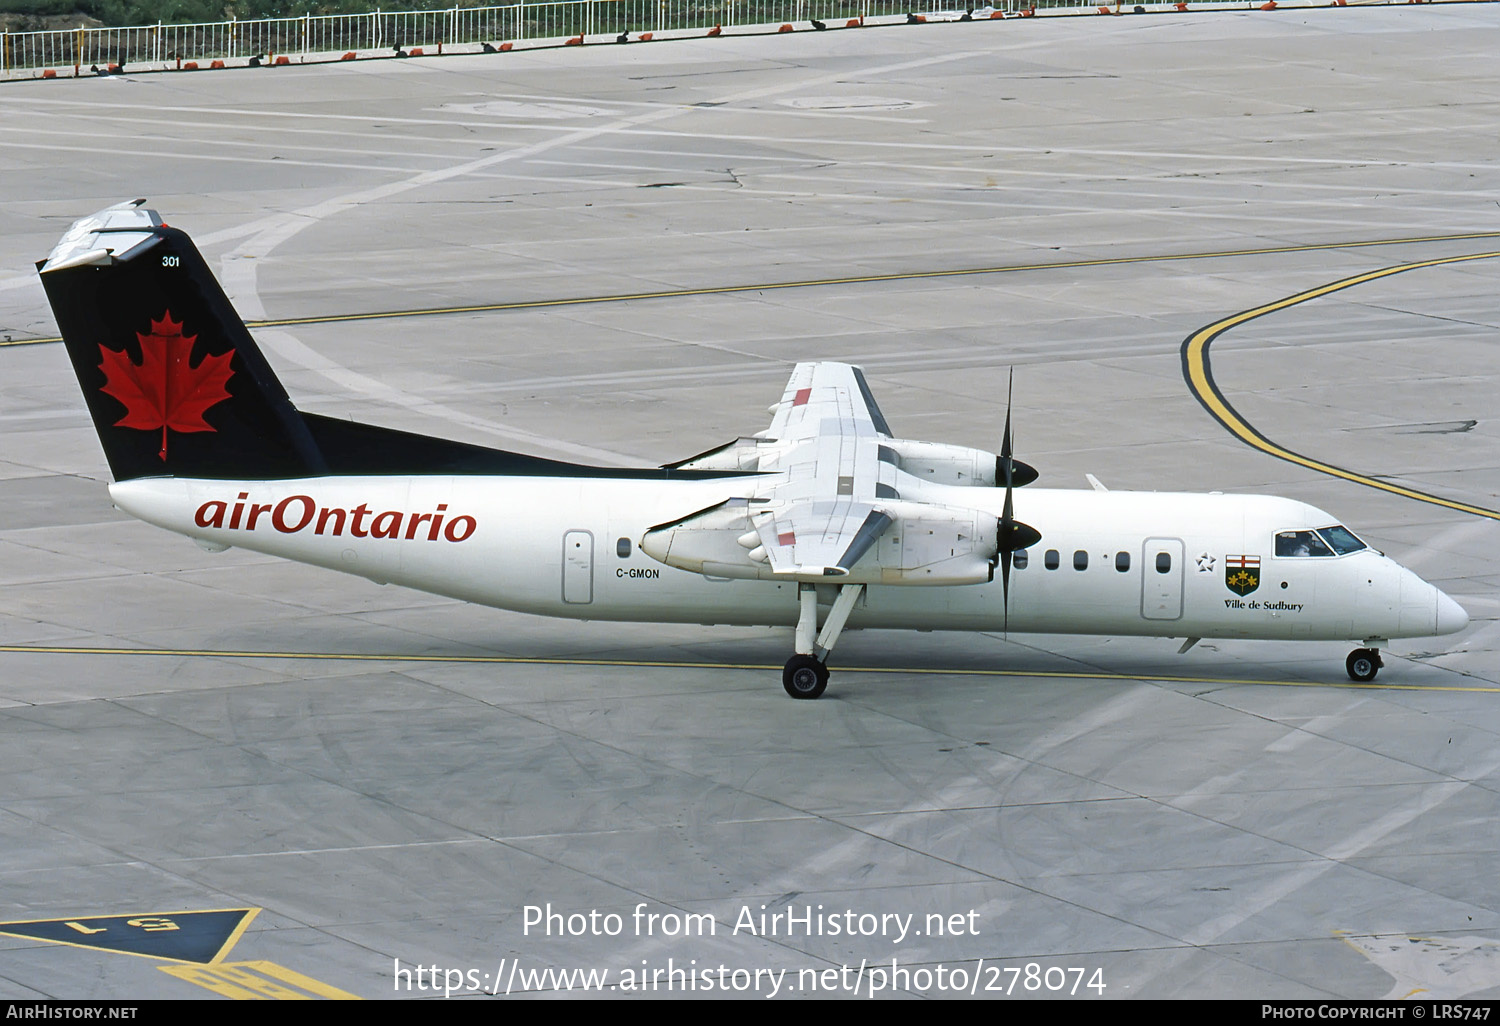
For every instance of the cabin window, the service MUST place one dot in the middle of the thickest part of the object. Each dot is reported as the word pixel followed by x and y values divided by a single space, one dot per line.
pixel 1301 543
pixel 1163 562
pixel 1019 559
pixel 1122 562
pixel 1051 559
pixel 622 548
pixel 1080 560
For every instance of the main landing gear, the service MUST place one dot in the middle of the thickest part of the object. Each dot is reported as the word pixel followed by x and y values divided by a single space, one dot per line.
pixel 1363 664
pixel 806 673
pixel 804 677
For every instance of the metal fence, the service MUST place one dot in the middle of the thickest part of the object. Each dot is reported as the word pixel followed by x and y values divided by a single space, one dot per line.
pixel 331 37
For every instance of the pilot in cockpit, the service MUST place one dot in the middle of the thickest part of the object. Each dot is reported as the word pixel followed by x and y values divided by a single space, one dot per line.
pixel 1326 541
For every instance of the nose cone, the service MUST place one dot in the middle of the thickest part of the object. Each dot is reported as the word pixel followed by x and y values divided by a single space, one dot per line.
pixel 1451 616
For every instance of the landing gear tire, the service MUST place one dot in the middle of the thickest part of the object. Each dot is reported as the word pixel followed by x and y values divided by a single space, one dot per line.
pixel 804 677
pixel 1363 664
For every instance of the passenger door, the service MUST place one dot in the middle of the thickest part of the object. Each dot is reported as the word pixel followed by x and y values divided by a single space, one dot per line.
pixel 578 567
pixel 1161 579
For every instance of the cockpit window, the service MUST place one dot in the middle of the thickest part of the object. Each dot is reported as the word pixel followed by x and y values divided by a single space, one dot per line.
pixel 1301 543
pixel 1341 539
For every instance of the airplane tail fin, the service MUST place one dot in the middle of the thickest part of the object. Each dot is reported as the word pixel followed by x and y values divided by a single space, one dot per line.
pixel 173 380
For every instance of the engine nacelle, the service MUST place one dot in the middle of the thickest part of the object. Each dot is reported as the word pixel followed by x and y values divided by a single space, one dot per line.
pixel 932 545
pixel 708 542
pixel 939 463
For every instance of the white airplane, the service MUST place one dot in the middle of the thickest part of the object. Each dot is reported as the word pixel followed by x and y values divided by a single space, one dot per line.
pixel 823 521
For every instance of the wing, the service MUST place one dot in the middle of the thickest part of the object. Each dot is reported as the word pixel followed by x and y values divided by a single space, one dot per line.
pixel 816 508
pixel 823 486
pixel 818 392
pixel 825 511
pixel 821 401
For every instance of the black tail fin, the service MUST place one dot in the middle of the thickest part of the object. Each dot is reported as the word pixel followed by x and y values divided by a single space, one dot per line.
pixel 175 384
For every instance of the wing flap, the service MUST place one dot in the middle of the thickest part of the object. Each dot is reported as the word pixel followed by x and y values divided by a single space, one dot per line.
pixel 819 539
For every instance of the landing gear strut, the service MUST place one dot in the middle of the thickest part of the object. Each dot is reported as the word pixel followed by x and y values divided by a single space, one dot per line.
pixel 1363 664
pixel 806 673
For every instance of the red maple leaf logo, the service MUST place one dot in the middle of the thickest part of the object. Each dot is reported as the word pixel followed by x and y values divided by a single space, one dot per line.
pixel 163 390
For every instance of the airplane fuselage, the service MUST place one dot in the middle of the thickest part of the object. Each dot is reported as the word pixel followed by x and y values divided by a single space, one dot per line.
pixel 1122 563
pixel 824 520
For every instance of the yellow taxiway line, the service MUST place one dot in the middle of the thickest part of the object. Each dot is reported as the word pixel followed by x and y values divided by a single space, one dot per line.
pixel 188 653
pixel 1200 380
pixel 866 279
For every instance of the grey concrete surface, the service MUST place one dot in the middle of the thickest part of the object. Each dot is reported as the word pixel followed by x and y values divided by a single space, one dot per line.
pixel 1234 822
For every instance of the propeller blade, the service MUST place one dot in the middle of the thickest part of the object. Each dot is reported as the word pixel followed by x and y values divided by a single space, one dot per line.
pixel 1005 450
pixel 1005 586
pixel 1008 469
pixel 1011 534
